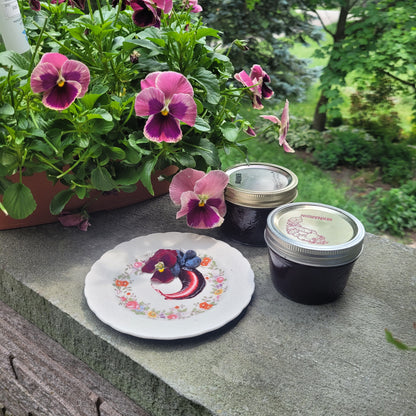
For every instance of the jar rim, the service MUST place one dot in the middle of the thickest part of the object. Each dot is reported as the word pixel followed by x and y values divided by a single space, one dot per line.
pixel 316 234
pixel 281 183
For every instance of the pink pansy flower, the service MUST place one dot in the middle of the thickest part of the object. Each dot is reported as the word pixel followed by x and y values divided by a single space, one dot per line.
pixel 167 97
pixel 284 127
pixel 193 5
pixel 148 12
pixel 256 82
pixel 61 80
pixel 201 197
pixel 160 264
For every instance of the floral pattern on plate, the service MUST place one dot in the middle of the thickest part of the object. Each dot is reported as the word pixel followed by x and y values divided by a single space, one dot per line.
pixel 128 298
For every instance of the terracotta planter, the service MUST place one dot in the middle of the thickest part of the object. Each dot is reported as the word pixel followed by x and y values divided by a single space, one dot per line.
pixel 44 190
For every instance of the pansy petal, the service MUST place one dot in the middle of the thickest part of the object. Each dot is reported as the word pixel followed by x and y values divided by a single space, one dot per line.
pixel 189 201
pixel 149 81
pixel 212 184
pixel 165 5
pixel 285 114
pixel 256 72
pixel 44 77
pixel 266 92
pixel 54 58
pixel 273 119
pixel 76 71
pixel 171 82
pixel 244 78
pixel 149 101
pixel 144 15
pixel 204 217
pixel 60 98
pixel 165 276
pixel 219 204
pixel 183 107
pixel 182 182
pixel 160 128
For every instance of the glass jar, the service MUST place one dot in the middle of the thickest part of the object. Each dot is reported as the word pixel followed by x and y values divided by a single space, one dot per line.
pixel 312 250
pixel 253 191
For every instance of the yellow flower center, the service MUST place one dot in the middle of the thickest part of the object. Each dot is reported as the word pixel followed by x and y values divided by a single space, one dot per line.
pixel 165 112
pixel 61 81
pixel 202 200
pixel 160 266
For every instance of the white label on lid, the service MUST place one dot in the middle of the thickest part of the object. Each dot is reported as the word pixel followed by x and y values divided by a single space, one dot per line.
pixel 316 227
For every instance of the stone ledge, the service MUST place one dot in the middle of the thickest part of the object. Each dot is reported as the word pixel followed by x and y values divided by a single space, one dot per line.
pixel 277 358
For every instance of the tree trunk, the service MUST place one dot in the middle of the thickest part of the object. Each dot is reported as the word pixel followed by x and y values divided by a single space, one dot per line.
pixel 319 119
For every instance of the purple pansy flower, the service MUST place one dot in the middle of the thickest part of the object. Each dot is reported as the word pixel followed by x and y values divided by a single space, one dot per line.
pixel 167 97
pixel 160 265
pixel 61 80
pixel 284 127
pixel 256 82
pixel 201 197
pixel 148 12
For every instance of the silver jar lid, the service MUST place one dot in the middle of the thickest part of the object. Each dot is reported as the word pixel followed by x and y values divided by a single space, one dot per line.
pixel 260 185
pixel 314 234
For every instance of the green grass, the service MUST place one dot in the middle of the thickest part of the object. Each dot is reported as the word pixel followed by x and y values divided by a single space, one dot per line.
pixel 314 184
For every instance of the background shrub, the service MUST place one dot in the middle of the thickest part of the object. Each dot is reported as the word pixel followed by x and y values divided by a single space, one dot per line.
pixel 393 211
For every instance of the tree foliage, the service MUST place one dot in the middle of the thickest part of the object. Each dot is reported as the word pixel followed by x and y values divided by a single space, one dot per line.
pixel 269 29
pixel 374 38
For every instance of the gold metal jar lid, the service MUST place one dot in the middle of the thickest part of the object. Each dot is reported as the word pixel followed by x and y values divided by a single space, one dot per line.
pixel 260 185
pixel 314 234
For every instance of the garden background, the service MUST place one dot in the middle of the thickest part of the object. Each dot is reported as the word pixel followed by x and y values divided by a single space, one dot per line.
pixel 348 70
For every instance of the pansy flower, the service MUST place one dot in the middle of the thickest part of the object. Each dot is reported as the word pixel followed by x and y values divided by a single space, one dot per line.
pixel 167 97
pixel 148 12
pixel 284 127
pixel 201 197
pixel 256 82
pixel 193 5
pixel 160 265
pixel 34 5
pixel 61 80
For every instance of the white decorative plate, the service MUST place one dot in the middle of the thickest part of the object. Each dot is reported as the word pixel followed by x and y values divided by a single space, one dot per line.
pixel 125 298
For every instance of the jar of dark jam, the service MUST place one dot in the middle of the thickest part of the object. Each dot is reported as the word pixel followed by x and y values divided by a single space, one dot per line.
pixel 253 191
pixel 312 250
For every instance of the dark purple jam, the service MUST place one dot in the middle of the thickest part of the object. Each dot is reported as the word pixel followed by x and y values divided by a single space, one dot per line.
pixel 309 285
pixel 245 225
pixel 253 191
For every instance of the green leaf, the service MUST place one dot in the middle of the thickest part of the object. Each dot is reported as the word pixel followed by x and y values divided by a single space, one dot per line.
pixel 210 84
pixel 90 99
pixel 207 31
pixel 60 200
pixel 128 176
pixel 399 344
pixel 18 201
pixel 201 124
pixel 101 179
pixel 146 174
pixel 230 132
pixel 208 152
pixel 6 110
pixel 185 159
pixel 13 59
pixel 99 113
